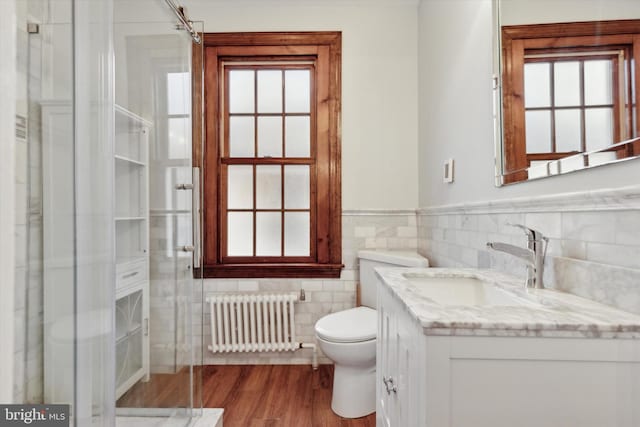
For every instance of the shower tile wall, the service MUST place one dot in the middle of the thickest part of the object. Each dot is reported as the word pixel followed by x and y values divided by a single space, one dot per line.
pixel 364 229
pixel 594 246
pixel 28 385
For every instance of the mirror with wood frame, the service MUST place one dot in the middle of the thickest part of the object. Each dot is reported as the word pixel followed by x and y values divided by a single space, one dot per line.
pixel 567 86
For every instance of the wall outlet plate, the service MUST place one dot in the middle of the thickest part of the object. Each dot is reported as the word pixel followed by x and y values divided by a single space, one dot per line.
pixel 447 171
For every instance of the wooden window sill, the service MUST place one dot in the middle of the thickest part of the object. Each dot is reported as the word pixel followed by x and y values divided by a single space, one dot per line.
pixel 270 271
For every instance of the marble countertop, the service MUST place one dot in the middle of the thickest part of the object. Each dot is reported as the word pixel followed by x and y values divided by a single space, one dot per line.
pixel 543 312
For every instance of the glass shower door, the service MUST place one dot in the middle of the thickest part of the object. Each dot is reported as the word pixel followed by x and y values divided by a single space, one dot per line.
pixel 154 89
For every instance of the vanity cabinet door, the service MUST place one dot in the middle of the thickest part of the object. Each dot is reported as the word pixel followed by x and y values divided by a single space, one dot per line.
pixel 406 376
pixel 385 363
pixel 399 371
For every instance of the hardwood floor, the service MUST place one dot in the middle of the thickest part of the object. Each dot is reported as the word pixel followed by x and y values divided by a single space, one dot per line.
pixel 254 395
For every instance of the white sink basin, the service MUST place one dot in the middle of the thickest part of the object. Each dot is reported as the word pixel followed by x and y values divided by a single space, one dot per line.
pixel 465 291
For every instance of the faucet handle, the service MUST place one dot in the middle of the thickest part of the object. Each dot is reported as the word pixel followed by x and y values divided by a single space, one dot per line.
pixel 530 232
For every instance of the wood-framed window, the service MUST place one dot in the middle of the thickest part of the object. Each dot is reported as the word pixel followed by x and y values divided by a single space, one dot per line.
pixel 568 88
pixel 272 204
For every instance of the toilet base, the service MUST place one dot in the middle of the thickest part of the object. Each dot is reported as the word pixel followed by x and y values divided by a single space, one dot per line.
pixel 354 391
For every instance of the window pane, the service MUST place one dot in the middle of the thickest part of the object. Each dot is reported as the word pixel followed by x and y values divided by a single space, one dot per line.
pixel 598 84
pixel 298 136
pixel 537 85
pixel 268 187
pixel 538 168
pixel 240 234
pixel 269 91
pixel 598 128
pixel 568 130
pixel 296 234
pixel 601 158
pixel 240 187
pixel 538 131
pixel 296 187
pixel 270 136
pixel 571 163
pixel 179 138
pixel 241 136
pixel 297 91
pixel 178 93
pixel 241 91
pixel 567 83
pixel 268 233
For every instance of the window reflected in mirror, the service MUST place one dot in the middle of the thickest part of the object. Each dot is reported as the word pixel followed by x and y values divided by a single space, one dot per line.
pixel 568 96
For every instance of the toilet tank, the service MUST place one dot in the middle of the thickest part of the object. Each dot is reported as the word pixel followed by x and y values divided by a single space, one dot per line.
pixel 370 259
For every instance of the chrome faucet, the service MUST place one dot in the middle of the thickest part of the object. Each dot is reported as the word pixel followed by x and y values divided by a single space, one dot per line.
pixel 533 254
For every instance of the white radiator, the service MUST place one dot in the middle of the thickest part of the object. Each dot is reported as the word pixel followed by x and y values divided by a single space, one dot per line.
pixel 252 322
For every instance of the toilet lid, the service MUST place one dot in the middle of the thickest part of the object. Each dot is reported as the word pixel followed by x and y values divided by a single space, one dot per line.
pixel 353 325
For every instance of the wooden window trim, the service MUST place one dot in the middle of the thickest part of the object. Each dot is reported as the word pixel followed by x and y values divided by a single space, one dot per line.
pixel 326 46
pixel 517 39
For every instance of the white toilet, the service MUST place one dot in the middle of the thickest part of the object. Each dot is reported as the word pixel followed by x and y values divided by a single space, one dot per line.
pixel 349 337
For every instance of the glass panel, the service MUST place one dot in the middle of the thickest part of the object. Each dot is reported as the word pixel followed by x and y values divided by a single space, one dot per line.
pixel 297 91
pixel 240 187
pixel 601 158
pixel 571 163
pixel 269 136
pixel 538 131
pixel 179 93
pixel 296 187
pixel 296 234
pixel 179 137
pixel 122 367
pixel 598 128
pixel 153 80
pixel 568 130
pixel 567 83
pixel 537 85
pixel 268 187
pixel 241 91
pixel 598 82
pixel 538 169
pixel 297 136
pixel 269 91
pixel 241 136
pixel 268 233
pixel 240 234
pixel 122 318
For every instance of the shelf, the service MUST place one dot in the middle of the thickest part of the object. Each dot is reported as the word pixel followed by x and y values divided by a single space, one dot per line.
pixel 130 218
pixel 129 160
pixel 131 137
pixel 123 113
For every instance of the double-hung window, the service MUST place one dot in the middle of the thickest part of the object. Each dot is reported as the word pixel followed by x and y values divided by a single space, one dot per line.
pixel 272 155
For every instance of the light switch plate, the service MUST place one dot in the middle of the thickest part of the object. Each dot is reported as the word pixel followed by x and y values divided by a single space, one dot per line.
pixel 447 171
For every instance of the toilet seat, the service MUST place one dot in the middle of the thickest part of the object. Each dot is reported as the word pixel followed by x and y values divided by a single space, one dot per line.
pixel 349 326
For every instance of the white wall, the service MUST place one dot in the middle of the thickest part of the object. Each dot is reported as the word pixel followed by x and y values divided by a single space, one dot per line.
pixel 455 113
pixel 379 80
pixel 7 194
pixel 519 12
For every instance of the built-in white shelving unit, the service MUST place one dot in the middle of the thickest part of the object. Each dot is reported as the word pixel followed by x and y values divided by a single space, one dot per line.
pixel 132 248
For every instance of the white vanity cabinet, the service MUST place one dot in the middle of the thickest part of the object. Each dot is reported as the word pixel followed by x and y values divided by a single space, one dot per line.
pixel 131 167
pixel 442 379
